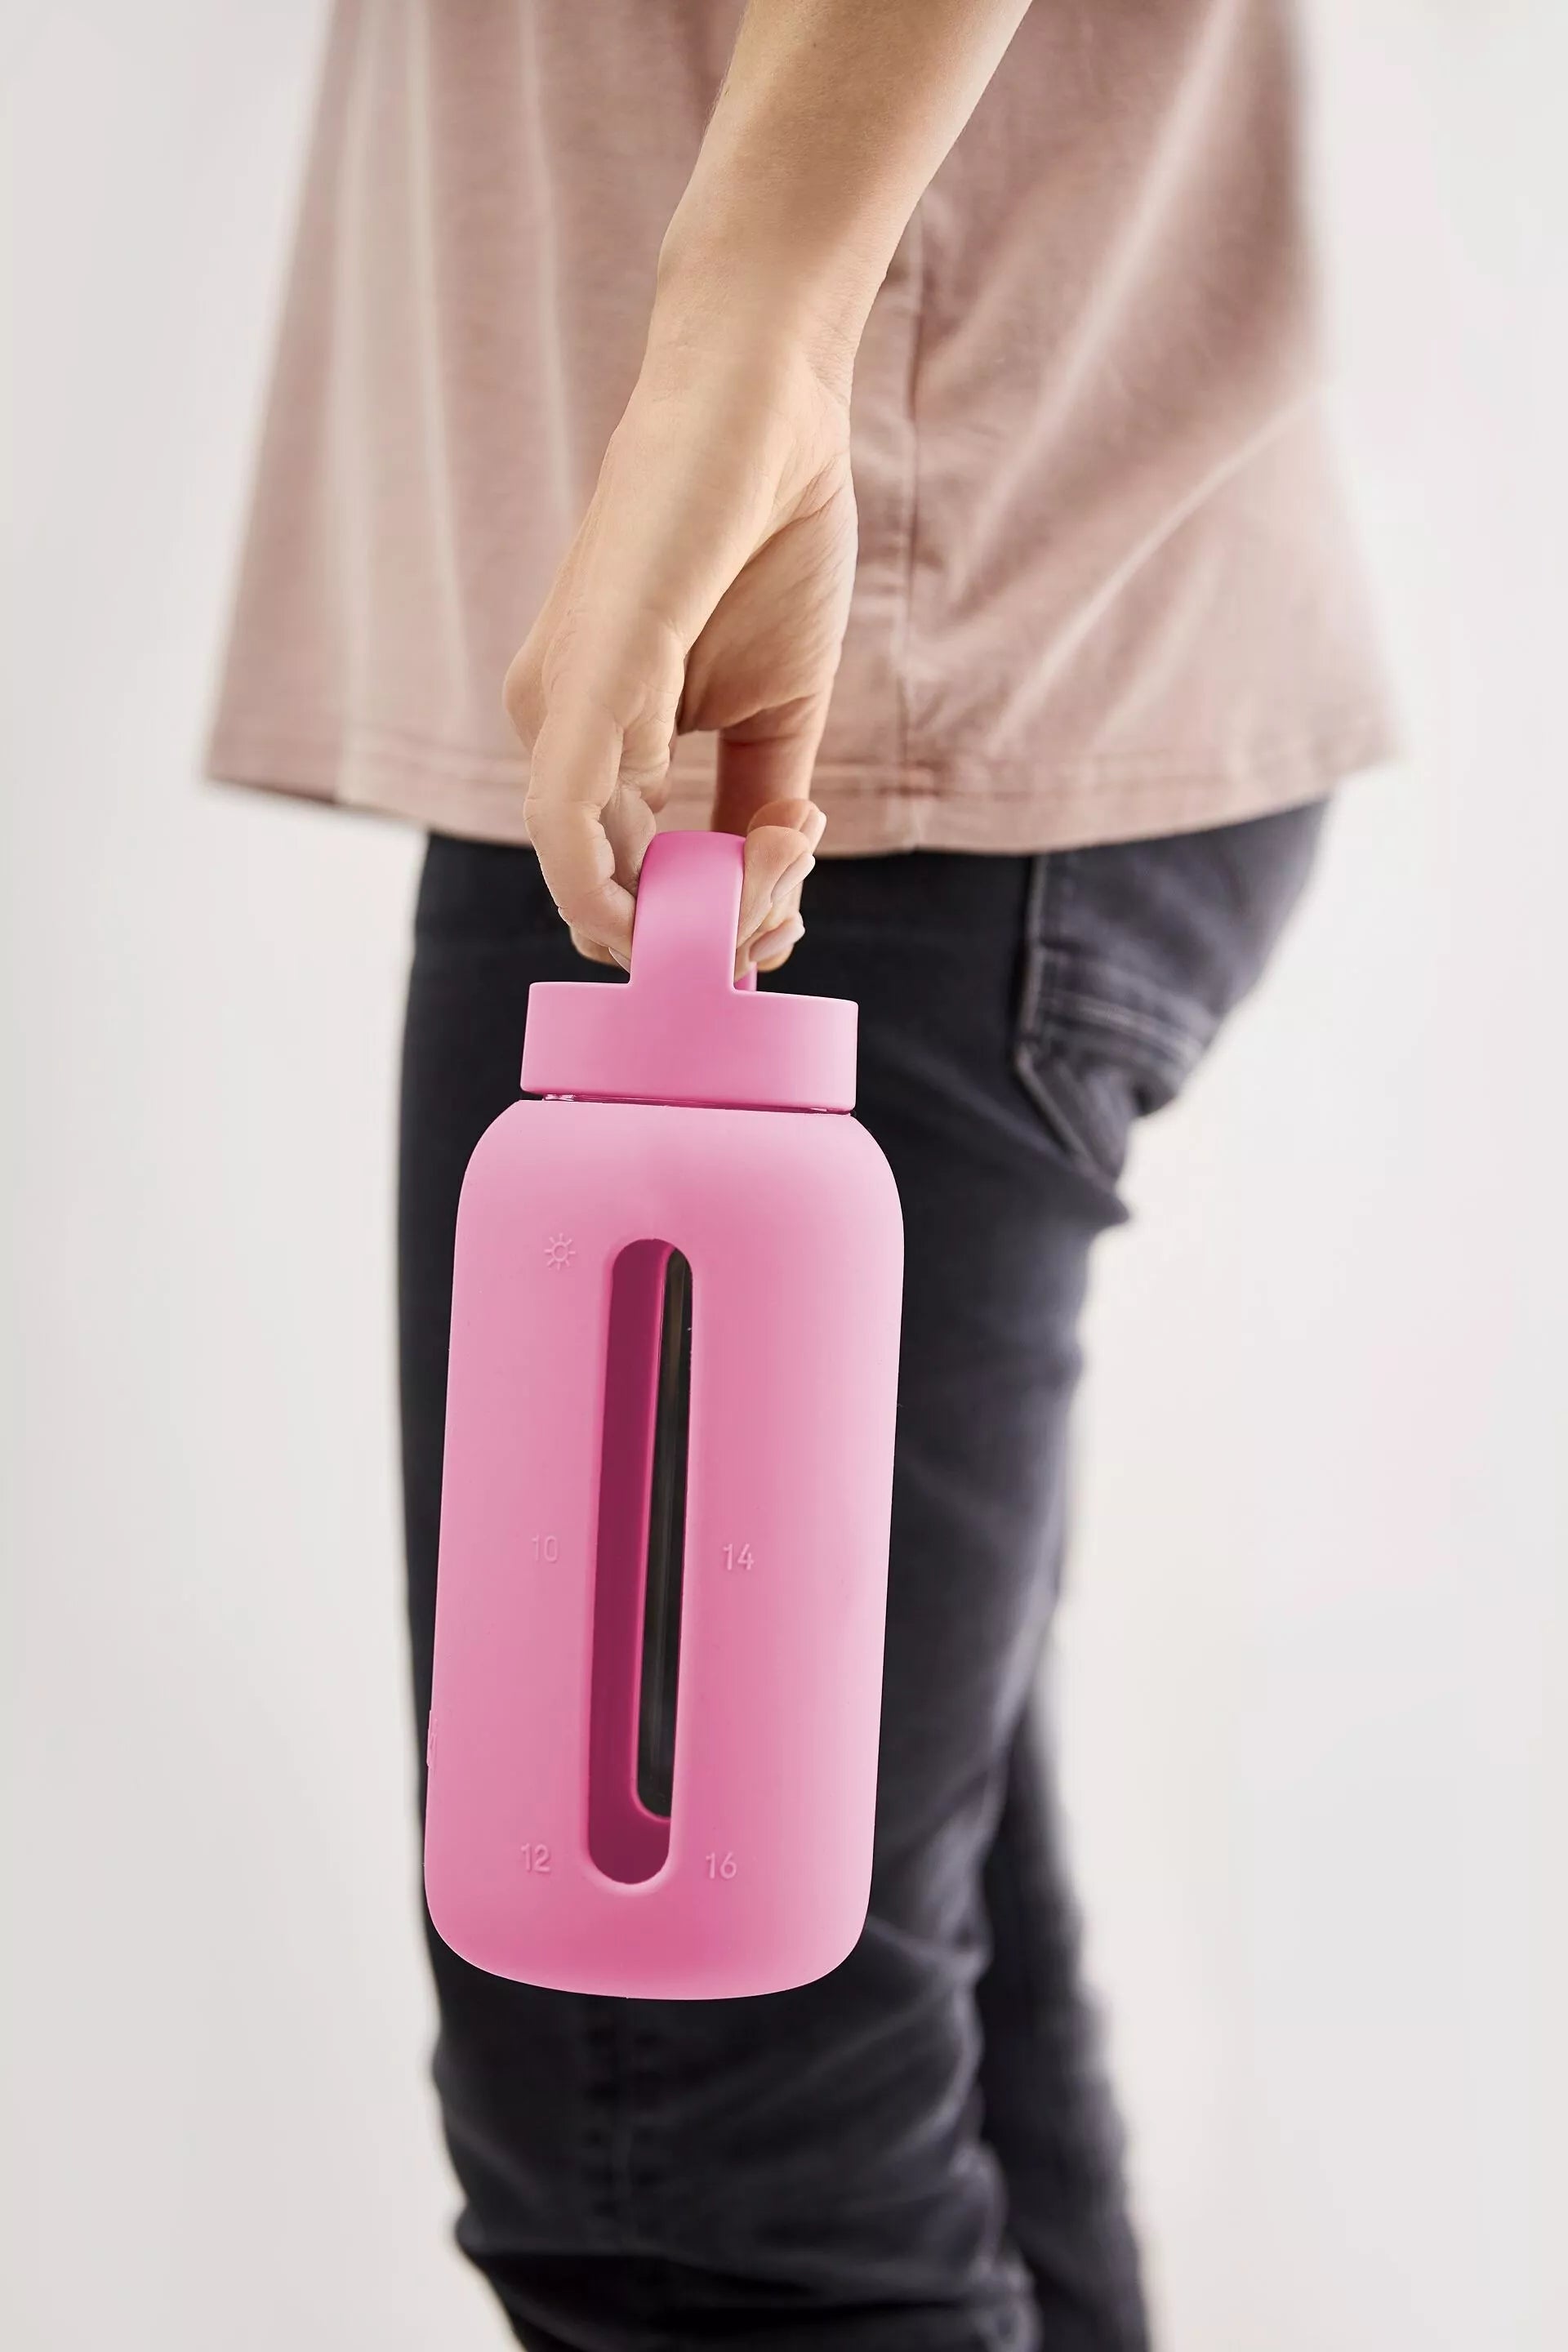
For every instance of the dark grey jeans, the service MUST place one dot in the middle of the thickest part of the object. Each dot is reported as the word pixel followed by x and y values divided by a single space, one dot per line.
pixel 917 2154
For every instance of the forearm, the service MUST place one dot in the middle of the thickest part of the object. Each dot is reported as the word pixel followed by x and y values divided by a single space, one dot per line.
pixel 833 117
pixel 709 583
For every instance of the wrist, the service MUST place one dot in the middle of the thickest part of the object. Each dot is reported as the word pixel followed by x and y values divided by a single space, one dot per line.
pixel 737 286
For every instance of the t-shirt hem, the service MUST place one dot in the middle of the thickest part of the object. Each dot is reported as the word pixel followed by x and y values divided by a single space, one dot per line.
pixel 1000 808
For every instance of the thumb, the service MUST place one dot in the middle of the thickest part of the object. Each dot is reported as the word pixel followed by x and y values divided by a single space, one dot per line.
pixel 599 769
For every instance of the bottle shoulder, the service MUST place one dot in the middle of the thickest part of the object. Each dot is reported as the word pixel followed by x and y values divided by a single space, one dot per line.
pixel 635 1147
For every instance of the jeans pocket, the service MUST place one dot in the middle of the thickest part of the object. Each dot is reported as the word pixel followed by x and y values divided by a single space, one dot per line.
pixel 1092 1060
pixel 1133 954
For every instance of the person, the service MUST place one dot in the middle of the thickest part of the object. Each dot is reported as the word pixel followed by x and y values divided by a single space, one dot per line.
pixel 609 327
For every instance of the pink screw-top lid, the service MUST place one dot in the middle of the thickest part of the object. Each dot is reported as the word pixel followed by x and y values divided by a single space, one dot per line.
pixel 680 1030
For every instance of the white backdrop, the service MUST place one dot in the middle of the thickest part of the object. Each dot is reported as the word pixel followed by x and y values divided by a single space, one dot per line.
pixel 1314 1660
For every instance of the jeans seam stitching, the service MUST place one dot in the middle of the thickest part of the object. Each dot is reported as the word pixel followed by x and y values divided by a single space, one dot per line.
pixel 1038 1015
pixel 1179 1045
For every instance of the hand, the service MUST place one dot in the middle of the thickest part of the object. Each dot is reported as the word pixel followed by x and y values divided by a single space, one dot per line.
pixel 709 583
pixel 707 588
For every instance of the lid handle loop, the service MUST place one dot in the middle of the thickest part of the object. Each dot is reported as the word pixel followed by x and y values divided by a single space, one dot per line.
pixel 688 913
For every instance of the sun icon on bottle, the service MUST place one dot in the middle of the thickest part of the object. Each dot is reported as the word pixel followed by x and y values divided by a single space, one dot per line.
pixel 560 1250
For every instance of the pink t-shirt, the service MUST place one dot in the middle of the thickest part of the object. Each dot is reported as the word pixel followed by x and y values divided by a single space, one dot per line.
pixel 1104 589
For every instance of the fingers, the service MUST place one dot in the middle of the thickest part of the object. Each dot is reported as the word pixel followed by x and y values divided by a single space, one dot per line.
pixel 591 828
pixel 781 843
pixel 595 952
pixel 767 760
pixel 764 790
pixel 769 952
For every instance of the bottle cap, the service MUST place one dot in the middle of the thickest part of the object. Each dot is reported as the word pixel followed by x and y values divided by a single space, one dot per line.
pixel 680 1030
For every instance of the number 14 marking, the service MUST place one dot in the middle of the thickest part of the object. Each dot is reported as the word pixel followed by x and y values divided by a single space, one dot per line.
pixel 743 1557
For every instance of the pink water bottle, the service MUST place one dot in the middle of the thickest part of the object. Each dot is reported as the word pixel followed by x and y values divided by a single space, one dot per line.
pixel 669 1444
